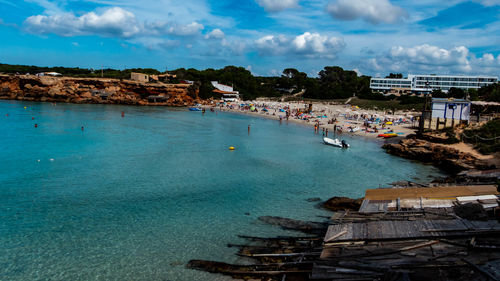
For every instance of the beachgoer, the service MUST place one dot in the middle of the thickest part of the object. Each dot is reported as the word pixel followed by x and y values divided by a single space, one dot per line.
pixel 327 132
pixel 248 129
pixel 36 125
pixel 82 128
pixel 123 113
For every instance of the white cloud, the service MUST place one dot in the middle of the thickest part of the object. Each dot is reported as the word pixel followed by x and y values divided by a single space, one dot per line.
pixel 272 45
pixel 112 22
pixel 373 11
pixel 456 57
pixel 432 59
pixel 311 45
pixel 215 34
pixel 278 5
pixel 193 28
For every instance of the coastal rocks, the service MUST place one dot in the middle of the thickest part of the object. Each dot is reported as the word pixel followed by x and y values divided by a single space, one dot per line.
pixel 95 90
pixel 342 203
pixel 445 157
pixel 291 224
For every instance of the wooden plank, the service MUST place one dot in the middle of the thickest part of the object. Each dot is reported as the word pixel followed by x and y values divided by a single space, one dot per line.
pixel 401 229
pixel 430 192
pixel 335 236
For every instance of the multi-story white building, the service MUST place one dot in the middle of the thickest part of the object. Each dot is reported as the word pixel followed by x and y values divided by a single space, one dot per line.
pixel 427 83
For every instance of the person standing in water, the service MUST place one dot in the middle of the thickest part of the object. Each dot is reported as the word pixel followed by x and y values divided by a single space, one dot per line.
pixel 248 129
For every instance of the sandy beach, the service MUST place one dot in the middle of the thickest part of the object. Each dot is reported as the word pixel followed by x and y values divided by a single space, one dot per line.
pixel 346 119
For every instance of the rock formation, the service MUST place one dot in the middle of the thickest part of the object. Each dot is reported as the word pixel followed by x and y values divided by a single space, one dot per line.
pixel 445 157
pixel 342 203
pixel 95 90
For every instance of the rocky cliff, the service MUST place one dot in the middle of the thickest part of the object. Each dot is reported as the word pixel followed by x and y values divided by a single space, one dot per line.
pixel 95 90
pixel 445 157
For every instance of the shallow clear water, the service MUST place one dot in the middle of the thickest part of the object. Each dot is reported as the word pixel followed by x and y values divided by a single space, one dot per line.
pixel 135 198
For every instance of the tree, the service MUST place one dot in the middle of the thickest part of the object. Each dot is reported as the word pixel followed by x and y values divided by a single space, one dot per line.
pixel 437 93
pixel 395 75
pixel 473 95
pixel 490 93
pixel 456 93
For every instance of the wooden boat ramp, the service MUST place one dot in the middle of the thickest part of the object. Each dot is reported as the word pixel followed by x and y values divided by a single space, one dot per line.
pixel 456 238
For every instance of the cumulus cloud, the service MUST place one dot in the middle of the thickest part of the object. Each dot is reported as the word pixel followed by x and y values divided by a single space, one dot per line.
pixel 433 56
pixel 215 34
pixel 278 5
pixel 373 11
pixel 112 22
pixel 311 45
pixel 432 59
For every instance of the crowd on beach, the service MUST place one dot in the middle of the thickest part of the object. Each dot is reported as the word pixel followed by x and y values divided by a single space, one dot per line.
pixel 328 117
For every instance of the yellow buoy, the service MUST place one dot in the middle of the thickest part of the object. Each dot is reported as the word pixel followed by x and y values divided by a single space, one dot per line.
pixel 25 107
pixel 231 148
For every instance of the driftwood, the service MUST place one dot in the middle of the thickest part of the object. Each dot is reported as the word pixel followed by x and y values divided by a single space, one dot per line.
pixel 287 238
pixel 251 270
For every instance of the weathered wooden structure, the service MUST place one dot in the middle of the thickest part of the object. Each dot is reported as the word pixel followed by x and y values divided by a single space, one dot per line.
pixel 417 243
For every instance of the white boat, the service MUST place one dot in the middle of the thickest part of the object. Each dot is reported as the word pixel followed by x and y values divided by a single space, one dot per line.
pixel 353 130
pixel 335 142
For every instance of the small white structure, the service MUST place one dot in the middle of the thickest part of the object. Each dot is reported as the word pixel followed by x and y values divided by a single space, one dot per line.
pixel 228 93
pixel 140 77
pixel 54 74
pixel 456 109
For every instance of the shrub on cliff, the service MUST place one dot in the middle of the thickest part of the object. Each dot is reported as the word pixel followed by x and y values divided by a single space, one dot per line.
pixel 486 139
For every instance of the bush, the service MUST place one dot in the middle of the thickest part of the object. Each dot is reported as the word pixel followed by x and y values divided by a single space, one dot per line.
pixel 484 138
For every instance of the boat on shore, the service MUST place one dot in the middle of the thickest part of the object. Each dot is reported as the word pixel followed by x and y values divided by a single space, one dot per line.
pixel 335 142
pixel 387 135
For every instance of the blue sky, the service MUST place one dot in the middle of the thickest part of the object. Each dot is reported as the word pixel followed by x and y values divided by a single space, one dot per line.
pixel 373 37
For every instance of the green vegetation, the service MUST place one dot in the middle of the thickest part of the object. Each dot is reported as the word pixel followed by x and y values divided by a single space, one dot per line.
pixel 332 83
pixel 486 138
pixel 249 86
pixel 75 71
pixel 395 75
pixel 490 93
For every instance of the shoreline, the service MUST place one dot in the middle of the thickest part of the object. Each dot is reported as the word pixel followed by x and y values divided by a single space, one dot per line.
pixel 345 116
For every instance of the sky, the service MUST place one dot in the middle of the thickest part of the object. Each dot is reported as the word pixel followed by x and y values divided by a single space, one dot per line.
pixel 372 37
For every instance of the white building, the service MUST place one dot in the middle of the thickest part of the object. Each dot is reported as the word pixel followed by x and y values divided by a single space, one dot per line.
pixel 228 93
pixel 456 109
pixel 427 83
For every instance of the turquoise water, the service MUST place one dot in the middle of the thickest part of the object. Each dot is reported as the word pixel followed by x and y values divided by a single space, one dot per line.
pixel 135 198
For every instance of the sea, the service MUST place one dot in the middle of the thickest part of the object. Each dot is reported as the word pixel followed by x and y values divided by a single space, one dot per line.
pixel 89 194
